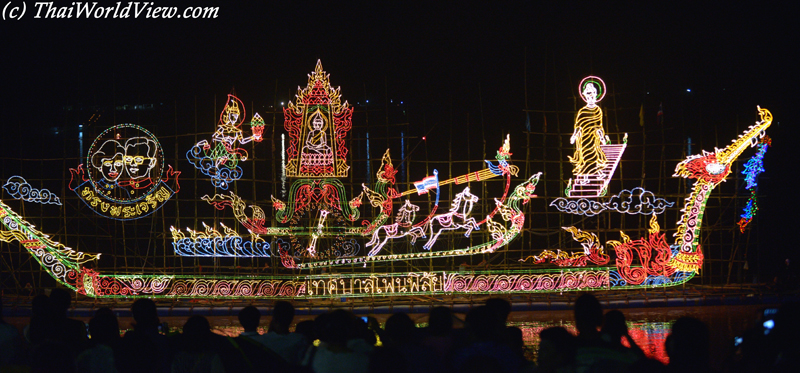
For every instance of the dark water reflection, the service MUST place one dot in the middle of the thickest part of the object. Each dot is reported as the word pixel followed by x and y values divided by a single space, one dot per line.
pixel 650 327
pixel 648 335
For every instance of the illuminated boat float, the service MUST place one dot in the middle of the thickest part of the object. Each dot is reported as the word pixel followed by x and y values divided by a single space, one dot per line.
pixel 317 228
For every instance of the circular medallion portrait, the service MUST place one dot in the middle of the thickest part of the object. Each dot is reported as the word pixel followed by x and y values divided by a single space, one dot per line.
pixel 125 163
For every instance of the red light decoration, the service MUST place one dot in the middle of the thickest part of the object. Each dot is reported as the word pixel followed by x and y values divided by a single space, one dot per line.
pixel 317 125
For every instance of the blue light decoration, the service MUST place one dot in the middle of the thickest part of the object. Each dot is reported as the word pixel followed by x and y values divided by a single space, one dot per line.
pixel 215 244
pixel 19 188
pixel 752 168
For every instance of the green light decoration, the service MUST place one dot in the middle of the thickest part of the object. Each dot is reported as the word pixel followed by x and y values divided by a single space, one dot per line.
pixel 317 125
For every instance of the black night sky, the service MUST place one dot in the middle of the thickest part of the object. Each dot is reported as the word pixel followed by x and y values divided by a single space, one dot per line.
pixel 445 60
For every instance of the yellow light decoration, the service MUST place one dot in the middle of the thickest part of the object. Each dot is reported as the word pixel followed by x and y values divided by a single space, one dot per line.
pixel 709 169
pixel 62 262
pixel 317 123
pixel 593 251
pixel 595 158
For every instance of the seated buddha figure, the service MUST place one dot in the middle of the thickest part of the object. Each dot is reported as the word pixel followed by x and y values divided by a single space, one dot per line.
pixel 316 141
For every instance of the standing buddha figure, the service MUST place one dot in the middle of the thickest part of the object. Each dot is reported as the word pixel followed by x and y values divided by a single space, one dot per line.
pixel 589 158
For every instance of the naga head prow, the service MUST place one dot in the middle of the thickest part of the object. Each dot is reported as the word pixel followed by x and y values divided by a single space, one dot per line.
pixel 714 167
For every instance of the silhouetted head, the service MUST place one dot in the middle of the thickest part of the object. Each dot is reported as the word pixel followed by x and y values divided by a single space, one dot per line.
pixel 145 314
pixel 688 344
pixel 500 306
pixel 588 314
pixel 440 320
pixel 249 317
pixel 556 348
pixel 39 305
pixel 614 325
pixel 196 326
pixel 60 301
pixel 400 328
pixel 282 316
pixel 104 327
pixel 41 319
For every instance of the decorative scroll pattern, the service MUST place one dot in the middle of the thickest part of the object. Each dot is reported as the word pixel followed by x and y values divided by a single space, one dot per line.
pixel 617 281
pixel 317 124
pixel 324 286
pixel 582 206
pixel 19 188
pixel 689 226
pixel 234 288
pixel 488 283
pixel 635 201
pixel 213 243
pixel 91 283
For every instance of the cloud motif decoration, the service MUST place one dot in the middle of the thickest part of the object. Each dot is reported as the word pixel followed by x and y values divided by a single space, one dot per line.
pixel 635 201
pixel 221 175
pixel 19 188
pixel 581 206
pixel 638 201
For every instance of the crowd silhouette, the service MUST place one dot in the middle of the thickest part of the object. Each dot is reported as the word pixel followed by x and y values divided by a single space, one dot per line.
pixel 339 341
